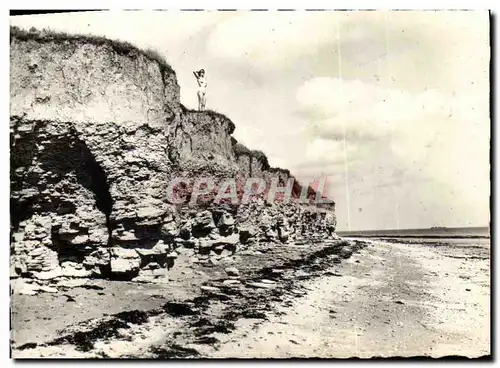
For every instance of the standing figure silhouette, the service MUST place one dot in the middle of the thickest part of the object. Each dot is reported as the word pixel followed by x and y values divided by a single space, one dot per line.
pixel 202 88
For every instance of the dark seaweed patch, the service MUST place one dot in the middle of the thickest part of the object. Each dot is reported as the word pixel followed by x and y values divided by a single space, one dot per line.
pixel 174 351
pixel 28 345
pixel 179 309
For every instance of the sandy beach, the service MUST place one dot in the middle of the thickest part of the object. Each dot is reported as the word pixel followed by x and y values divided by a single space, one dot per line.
pixel 394 300
pixel 387 299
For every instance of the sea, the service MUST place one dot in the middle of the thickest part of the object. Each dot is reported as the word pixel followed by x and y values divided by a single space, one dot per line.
pixel 433 232
pixel 471 242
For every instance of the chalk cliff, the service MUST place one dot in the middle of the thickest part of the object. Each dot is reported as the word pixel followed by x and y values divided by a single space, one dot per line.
pixel 97 134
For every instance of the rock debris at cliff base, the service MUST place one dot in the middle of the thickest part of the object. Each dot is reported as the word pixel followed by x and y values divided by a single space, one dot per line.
pixel 174 320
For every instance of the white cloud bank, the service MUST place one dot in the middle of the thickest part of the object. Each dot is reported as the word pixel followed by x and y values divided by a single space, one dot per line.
pixel 397 137
pixel 270 41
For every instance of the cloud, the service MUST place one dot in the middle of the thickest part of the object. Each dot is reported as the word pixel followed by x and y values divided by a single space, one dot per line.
pixel 270 40
pixel 321 148
pixel 355 110
pixel 396 139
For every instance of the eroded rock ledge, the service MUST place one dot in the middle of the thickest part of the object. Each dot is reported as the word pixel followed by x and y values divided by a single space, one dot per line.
pixel 97 134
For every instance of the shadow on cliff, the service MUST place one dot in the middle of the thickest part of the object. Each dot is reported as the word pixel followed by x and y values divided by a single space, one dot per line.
pixel 70 163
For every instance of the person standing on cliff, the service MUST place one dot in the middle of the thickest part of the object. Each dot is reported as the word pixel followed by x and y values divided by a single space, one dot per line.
pixel 202 88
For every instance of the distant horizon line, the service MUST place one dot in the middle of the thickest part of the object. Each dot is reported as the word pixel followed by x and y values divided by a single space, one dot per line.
pixel 421 228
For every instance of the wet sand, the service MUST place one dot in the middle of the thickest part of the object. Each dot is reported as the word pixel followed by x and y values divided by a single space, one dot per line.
pixel 393 300
pixel 387 299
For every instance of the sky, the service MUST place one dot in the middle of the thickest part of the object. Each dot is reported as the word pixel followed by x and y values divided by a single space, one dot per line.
pixel 391 107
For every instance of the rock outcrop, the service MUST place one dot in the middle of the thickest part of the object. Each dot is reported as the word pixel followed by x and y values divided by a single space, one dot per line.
pixel 97 135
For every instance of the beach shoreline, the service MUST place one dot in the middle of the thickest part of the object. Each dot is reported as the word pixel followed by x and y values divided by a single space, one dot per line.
pixel 387 299
pixel 393 301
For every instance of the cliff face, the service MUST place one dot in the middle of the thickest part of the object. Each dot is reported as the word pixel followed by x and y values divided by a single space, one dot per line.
pixel 97 134
pixel 201 140
pixel 74 80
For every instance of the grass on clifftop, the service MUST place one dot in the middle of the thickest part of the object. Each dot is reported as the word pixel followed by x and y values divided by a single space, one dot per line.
pixel 212 114
pixel 240 150
pixel 120 47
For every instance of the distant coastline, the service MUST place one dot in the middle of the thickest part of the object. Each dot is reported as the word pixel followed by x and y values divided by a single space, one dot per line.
pixel 433 232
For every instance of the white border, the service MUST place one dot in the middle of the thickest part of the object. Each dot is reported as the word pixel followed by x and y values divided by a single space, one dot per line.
pixel 255 4
pixel 182 4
